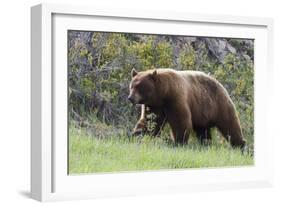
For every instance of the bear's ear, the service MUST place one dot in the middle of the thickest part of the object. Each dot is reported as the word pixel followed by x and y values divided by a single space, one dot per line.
pixel 154 75
pixel 134 72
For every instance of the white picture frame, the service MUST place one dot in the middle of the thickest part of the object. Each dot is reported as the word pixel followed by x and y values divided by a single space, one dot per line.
pixel 49 178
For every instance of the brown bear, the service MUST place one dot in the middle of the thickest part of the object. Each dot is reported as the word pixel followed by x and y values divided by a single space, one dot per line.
pixel 187 100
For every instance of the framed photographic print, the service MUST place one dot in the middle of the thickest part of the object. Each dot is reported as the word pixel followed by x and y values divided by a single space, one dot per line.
pixel 137 102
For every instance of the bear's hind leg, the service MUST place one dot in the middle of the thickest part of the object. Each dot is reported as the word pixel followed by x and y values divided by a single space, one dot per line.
pixel 231 130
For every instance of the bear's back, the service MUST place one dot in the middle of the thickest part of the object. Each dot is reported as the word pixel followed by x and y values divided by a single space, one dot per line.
pixel 204 84
pixel 203 90
pixel 198 79
pixel 193 78
pixel 187 74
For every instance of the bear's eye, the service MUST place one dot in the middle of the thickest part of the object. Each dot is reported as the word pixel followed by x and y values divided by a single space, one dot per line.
pixel 137 85
pixel 141 88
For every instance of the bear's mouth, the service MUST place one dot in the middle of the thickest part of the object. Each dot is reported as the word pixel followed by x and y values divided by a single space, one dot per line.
pixel 140 102
pixel 136 101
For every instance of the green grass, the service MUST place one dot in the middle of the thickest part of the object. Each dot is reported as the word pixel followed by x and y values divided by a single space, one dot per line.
pixel 88 154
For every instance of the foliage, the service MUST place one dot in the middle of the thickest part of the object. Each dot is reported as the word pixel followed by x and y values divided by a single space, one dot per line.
pixel 187 58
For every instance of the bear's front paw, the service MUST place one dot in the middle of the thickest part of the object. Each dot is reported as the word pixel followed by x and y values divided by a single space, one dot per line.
pixel 139 128
pixel 138 132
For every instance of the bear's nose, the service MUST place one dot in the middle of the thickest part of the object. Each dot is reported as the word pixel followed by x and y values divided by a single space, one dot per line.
pixel 130 98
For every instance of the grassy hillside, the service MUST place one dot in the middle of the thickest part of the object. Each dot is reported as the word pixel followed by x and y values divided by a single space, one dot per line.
pixel 89 154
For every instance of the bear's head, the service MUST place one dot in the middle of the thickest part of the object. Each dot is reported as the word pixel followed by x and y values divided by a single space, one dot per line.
pixel 143 87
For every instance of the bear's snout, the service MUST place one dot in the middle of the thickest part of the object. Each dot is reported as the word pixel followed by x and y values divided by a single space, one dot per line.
pixel 130 98
pixel 134 99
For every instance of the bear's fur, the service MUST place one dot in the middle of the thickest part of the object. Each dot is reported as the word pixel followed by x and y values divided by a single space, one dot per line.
pixel 186 100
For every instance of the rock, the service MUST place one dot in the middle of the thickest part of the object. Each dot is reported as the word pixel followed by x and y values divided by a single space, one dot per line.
pixel 219 48
pixel 246 57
